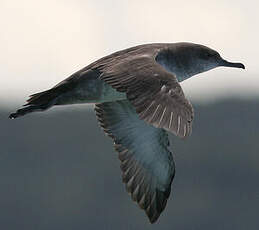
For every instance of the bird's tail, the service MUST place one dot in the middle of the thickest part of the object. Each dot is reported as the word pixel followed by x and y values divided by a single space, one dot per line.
pixel 37 102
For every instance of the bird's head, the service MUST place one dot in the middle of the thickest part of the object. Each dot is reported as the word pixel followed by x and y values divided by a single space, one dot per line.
pixel 188 59
pixel 212 59
pixel 199 58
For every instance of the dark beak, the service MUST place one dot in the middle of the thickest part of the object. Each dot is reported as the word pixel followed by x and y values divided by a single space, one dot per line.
pixel 231 64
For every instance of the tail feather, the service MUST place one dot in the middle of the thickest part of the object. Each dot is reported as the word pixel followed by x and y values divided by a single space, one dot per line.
pixel 28 109
pixel 42 97
pixel 37 102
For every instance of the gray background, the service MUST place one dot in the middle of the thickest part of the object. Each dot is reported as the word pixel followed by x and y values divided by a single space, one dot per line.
pixel 59 171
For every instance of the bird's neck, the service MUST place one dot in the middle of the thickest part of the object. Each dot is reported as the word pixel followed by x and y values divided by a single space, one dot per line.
pixel 180 73
pixel 182 67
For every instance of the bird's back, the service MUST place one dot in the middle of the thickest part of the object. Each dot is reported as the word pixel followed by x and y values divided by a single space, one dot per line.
pixel 146 49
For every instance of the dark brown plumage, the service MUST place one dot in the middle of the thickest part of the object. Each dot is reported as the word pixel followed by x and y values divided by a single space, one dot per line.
pixel 153 91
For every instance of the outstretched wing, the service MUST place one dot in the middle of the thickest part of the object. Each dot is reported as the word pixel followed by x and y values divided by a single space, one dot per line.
pixel 146 163
pixel 153 91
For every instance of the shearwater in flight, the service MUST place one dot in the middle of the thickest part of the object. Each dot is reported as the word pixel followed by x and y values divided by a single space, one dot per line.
pixel 138 99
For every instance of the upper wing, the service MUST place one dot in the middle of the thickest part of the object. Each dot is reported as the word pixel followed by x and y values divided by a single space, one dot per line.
pixel 146 163
pixel 153 91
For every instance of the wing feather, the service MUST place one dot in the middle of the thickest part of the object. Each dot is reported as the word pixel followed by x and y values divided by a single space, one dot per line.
pixel 146 163
pixel 154 92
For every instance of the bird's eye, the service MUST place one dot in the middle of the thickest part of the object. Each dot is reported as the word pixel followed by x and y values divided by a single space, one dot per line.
pixel 209 54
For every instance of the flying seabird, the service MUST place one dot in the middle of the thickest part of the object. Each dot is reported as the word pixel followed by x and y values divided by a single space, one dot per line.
pixel 138 99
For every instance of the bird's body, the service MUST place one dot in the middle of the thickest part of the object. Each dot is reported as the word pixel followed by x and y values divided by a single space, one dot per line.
pixel 138 98
pixel 85 86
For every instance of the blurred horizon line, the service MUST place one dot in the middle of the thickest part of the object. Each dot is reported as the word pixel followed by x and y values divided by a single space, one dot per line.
pixel 197 100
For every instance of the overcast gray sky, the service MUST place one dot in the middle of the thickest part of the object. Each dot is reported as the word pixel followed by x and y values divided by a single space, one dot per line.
pixel 43 42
